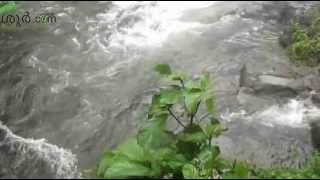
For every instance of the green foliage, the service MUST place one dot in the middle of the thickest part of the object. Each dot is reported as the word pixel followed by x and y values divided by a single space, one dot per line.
pixel 6 7
pixel 156 152
pixel 163 69
pixel 305 46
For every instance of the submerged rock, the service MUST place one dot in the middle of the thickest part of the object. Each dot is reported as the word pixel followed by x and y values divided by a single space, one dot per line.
pixel 28 158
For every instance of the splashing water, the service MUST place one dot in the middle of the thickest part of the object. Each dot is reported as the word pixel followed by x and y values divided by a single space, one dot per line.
pixel 25 155
pixel 296 113
pixel 157 20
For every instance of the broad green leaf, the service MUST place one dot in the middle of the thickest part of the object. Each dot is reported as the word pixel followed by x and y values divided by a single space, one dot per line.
pixel 169 158
pixel 215 150
pixel 166 157
pixel 193 133
pixel 155 108
pixel 107 160
pixel 240 170
pixel 209 104
pixel 156 99
pixel 157 111
pixel 192 87
pixel 169 96
pixel 191 101
pixel 157 122
pixel 155 136
pixel 155 105
pixel 204 81
pixel 123 169
pixel 229 175
pixel 163 69
pixel 214 128
pixel 205 158
pixel 208 155
pixel 178 76
pixel 175 161
pixel 205 154
pixel 188 149
pixel 156 169
pixel 190 172
pixel 157 155
pixel 131 149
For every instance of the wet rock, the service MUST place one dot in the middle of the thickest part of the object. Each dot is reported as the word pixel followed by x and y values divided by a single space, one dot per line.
pixel 275 81
pixel 312 82
pixel 315 134
pixel 250 101
pixel 279 11
pixel 260 91
pixel 27 158
pixel 263 145
pixel 243 76
pixel 270 82
pixel 285 38
pixel 265 81
pixel 315 98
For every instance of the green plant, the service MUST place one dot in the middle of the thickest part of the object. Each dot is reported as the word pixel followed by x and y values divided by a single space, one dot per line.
pixel 305 46
pixel 156 152
pixel 311 170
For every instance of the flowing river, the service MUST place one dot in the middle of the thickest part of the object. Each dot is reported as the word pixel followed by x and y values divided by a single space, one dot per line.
pixel 83 84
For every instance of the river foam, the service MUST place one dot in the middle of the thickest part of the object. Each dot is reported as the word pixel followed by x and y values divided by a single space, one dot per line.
pixel 296 113
pixel 29 158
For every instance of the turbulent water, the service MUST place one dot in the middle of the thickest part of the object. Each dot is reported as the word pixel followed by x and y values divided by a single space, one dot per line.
pixel 296 114
pixel 84 82
pixel 28 158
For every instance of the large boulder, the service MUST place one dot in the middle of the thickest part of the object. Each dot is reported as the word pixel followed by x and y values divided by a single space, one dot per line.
pixel 249 140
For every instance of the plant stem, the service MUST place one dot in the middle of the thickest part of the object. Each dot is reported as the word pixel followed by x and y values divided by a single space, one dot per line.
pixel 179 122
pixel 210 141
pixel 182 83
pixel 204 116
pixel 192 116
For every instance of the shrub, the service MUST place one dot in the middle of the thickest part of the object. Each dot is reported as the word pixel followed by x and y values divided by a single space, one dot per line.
pixel 156 152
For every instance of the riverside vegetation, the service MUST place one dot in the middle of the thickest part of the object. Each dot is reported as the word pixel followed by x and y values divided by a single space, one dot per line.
pixel 303 44
pixel 157 152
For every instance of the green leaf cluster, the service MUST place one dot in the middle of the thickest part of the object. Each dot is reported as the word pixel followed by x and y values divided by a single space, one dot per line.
pixel 155 152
